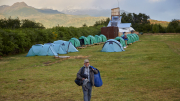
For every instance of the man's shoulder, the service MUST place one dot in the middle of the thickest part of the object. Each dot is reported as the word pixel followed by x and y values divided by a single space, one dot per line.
pixel 82 67
pixel 92 67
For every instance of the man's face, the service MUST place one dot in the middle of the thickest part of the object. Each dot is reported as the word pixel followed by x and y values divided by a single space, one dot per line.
pixel 86 64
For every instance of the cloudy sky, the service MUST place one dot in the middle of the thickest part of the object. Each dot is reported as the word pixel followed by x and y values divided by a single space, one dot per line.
pixel 163 10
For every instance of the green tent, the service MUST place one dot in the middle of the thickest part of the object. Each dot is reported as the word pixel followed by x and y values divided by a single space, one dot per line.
pixel 98 38
pixel 137 37
pixel 91 39
pixel 121 40
pixel 83 40
pixel 134 36
pixel 75 42
pixel 131 38
pixel 103 37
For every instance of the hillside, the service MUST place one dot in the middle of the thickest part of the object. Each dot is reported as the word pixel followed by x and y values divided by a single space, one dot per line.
pixel 162 23
pixel 49 18
pixel 67 17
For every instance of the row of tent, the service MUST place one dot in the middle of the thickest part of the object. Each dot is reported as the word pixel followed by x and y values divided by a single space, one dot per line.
pixel 131 39
pixel 52 49
pixel 89 40
pixel 118 44
pixel 64 47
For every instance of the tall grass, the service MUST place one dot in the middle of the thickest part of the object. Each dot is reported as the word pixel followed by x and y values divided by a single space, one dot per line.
pixel 147 70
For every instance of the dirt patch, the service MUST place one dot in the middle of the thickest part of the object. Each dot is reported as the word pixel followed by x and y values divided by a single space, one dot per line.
pixel 48 62
pixel 62 59
pixel 21 80
pixel 78 57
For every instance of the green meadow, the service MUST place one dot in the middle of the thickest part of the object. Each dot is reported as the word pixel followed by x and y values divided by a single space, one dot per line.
pixel 148 70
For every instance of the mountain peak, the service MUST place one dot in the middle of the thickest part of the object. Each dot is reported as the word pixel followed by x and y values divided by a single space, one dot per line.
pixel 19 4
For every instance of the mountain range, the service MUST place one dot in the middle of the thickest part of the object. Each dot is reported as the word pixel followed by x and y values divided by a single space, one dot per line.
pixel 68 17
pixel 48 17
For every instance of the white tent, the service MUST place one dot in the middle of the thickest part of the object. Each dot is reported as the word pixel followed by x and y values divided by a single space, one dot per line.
pixel 129 29
pixel 123 27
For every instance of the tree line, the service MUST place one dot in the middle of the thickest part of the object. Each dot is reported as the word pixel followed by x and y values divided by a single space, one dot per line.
pixel 16 23
pixel 20 40
pixel 140 22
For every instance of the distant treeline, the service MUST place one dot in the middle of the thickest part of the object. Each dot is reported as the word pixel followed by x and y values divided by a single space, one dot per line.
pixel 20 40
pixel 16 23
pixel 141 23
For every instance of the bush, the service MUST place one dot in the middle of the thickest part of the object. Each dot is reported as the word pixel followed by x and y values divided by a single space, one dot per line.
pixel 155 28
pixel 173 26
pixel 10 23
pixel 30 24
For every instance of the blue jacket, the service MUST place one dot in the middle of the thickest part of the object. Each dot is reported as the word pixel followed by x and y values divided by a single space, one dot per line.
pixel 124 38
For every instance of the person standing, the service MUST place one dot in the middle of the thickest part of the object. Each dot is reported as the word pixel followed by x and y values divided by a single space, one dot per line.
pixel 87 75
pixel 125 38
pixel 132 31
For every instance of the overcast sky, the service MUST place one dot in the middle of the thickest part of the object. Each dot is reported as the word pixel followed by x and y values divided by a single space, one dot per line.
pixel 163 10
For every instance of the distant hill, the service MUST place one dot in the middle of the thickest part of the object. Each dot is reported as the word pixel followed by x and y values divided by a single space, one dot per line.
pixel 18 9
pixel 48 17
pixel 49 11
pixel 91 12
pixel 162 23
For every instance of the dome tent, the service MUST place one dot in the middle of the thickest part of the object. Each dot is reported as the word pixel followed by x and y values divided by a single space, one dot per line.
pixel 41 50
pixel 137 37
pixel 134 37
pixel 75 42
pixel 58 49
pixel 103 37
pixel 83 40
pixel 112 45
pixel 121 40
pixel 131 37
pixel 66 46
pixel 91 39
pixel 98 39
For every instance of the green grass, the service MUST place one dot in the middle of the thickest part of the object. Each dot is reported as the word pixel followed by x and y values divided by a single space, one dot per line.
pixel 148 70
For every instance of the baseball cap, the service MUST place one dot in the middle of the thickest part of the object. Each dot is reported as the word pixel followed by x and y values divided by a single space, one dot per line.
pixel 86 60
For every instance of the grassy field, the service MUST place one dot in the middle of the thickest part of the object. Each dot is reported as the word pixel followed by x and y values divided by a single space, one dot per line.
pixel 148 70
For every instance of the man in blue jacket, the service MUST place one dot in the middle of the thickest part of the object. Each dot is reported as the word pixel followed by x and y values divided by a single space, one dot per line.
pixel 88 79
pixel 125 38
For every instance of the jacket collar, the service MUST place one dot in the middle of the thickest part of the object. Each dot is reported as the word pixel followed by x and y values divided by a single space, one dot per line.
pixel 85 66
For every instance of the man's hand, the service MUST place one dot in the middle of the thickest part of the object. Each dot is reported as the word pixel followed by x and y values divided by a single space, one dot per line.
pixel 83 78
